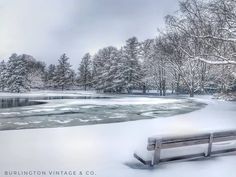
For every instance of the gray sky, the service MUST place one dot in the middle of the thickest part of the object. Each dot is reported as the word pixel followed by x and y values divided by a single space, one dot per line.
pixel 47 28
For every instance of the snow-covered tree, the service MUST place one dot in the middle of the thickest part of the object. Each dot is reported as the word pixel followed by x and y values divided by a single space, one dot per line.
pixel 147 54
pixel 50 76
pixel 3 75
pixel 85 71
pixel 106 70
pixel 63 73
pixel 72 80
pixel 36 71
pixel 209 28
pixel 131 69
pixel 17 74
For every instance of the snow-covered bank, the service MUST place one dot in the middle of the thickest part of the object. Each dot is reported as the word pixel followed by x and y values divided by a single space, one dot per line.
pixel 106 148
pixel 228 97
pixel 43 93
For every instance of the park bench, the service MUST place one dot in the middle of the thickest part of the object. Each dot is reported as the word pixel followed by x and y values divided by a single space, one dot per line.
pixel 156 144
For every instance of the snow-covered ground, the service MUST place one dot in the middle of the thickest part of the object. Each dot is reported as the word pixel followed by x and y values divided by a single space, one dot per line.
pixel 106 148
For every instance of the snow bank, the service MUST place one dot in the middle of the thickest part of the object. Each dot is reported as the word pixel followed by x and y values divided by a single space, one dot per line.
pixel 43 93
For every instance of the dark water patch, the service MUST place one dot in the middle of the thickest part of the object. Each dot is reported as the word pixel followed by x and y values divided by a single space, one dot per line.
pixel 8 102
pixel 68 97
pixel 17 102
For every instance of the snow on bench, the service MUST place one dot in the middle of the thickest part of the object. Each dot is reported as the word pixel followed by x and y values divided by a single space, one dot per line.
pixel 157 144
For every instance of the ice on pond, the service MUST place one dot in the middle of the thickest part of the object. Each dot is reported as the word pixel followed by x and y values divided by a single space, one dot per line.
pixel 21 123
pixel 74 111
pixel 61 121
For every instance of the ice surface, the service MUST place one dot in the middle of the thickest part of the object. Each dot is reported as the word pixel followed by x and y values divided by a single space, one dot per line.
pixel 73 110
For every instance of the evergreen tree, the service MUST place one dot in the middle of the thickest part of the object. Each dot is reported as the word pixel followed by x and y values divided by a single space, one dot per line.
pixel 132 74
pixel 85 71
pixel 147 63
pixel 72 78
pixel 99 60
pixel 17 74
pixel 50 76
pixel 106 64
pixel 3 75
pixel 63 72
pixel 114 67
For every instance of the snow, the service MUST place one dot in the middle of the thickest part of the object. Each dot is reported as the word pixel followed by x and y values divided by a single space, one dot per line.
pixel 106 148
pixel 21 123
pixel 224 62
pixel 60 121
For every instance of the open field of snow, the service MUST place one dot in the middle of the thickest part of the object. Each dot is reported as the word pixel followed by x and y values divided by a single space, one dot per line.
pixel 106 148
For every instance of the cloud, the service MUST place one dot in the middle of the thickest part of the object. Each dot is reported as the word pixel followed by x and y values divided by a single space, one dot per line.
pixel 48 28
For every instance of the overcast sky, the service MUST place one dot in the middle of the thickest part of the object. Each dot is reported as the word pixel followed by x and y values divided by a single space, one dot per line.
pixel 47 28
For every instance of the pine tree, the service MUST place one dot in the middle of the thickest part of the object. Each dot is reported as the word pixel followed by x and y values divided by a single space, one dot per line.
pixel 17 77
pixel 3 75
pixel 85 71
pixel 63 72
pixel 131 65
pixel 113 80
pixel 72 78
pixel 147 63
pixel 106 65
pixel 99 60
pixel 50 76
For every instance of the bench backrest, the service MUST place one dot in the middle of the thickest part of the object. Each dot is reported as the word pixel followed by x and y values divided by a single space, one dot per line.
pixel 189 140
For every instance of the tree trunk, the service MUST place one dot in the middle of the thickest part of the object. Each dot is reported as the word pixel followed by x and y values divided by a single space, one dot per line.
pixel 177 85
pixel 172 88
pixel 160 88
pixel 202 83
pixel 164 87
pixel 191 90
pixel 191 94
pixel 129 90
pixel 144 88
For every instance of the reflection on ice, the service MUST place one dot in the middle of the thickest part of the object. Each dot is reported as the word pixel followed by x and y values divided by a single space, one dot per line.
pixel 17 102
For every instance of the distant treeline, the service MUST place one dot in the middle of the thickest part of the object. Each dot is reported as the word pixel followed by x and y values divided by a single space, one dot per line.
pixel 196 53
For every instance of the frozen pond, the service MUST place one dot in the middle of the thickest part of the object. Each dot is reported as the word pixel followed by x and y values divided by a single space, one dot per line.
pixel 57 111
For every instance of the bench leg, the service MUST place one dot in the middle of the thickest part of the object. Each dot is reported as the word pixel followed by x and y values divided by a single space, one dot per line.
pixel 157 153
pixel 208 153
pixel 141 159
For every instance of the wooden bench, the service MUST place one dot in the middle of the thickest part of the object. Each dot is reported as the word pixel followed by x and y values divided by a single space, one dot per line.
pixel 156 144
